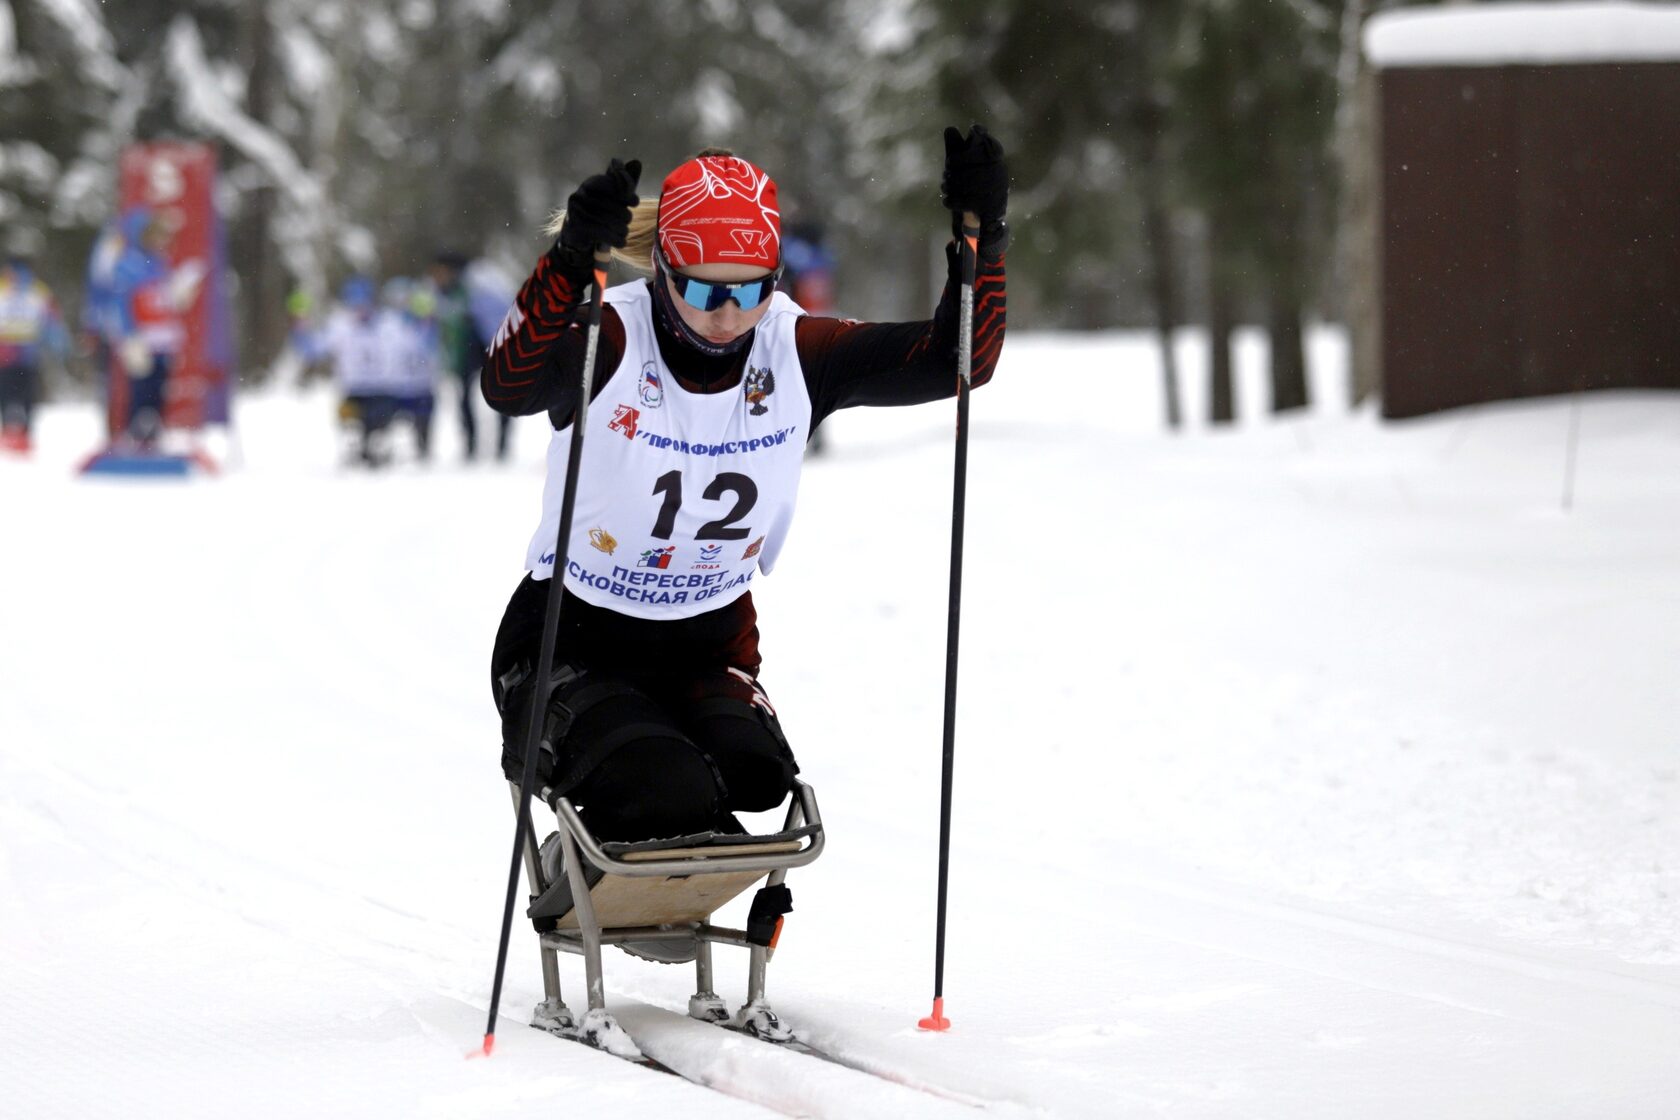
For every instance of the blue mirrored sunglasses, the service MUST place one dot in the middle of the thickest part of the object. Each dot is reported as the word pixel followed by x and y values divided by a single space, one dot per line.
pixel 704 295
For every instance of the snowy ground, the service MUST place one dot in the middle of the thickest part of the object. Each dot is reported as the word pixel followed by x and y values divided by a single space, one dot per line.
pixel 1313 769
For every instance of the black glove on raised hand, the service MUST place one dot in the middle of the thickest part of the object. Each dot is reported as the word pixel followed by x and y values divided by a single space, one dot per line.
pixel 976 178
pixel 598 213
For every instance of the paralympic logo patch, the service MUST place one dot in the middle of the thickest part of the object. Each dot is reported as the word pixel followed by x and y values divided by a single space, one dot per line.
pixel 652 389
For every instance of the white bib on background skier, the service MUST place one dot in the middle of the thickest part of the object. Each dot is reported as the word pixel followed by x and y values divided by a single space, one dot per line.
pixel 712 477
pixel 356 344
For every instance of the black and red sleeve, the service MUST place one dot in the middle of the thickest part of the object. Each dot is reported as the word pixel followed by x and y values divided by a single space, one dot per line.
pixel 848 363
pixel 534 361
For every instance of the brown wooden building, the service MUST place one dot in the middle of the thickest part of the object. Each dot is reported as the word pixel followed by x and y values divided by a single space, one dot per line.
pixel 1529 201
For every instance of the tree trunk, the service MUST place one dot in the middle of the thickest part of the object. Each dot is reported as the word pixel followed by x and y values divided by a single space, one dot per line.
pixel 1361 249
pixel 329 130
pixel 456 223
pixel 1148 125
pixel 1357 233
pixel 1163 288
pixel 1288 354
pixel 1221 304
pixel 1286 265
pixel 926 272
pixel 261 298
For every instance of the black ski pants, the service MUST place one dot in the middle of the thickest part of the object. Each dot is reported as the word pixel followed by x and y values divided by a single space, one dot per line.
pixel 147 397
pixel 469 422
pixel 648 746
pixel 18 387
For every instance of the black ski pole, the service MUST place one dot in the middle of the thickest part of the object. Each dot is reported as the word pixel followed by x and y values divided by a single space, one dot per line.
pixel 969 247
pixel 550 633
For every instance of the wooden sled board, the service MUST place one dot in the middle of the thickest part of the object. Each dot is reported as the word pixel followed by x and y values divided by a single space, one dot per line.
pixel 623 900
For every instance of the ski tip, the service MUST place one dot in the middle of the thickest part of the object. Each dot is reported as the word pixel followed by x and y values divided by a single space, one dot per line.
pixel 937 1020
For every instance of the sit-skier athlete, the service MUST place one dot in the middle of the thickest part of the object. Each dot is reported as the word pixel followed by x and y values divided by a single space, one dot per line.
pixel 708 383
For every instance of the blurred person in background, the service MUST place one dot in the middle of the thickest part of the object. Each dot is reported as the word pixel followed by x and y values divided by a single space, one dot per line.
pixel 808 268
pixel 148 303
pixel 411 352
pixel 29 327
pixel 354 339
pixel 100 321
pixel 470 307
pixel 808 276
pixel 708 382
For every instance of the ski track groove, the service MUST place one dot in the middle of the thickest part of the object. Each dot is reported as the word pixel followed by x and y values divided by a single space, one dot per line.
pixel 658 1068
pixel 1598 980
pixel 666 1035
pixel 800 1046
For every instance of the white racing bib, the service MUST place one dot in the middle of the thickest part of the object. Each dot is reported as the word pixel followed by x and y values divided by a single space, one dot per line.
pixel 25 311
pixel 682 497
pixel 357 347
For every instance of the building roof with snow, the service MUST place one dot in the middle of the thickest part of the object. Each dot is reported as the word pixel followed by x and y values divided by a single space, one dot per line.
pixel 1530 34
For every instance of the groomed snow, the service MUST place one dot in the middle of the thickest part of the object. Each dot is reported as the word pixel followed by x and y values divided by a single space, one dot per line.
pixel 1507 34
pixel 1319 768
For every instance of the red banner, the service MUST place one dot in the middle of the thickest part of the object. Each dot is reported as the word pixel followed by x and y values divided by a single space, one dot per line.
pixel 178 181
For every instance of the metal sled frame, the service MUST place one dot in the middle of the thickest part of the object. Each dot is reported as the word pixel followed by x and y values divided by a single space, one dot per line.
pixel 760 854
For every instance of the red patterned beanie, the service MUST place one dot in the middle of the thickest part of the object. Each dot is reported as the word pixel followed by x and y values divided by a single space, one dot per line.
pixel 719 210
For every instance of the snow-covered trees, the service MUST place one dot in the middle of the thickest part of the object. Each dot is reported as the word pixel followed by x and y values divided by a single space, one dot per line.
pixel 367 134
pixel 1171 160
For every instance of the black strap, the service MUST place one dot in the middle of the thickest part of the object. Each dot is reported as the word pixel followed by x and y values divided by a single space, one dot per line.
pixel 510 680
pixel 768 906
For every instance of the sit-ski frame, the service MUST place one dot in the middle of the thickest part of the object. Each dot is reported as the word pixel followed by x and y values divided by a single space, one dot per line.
pixel 586 940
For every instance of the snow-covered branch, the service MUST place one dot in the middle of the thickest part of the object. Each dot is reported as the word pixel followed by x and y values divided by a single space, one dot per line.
pixel 82 21
pixel 205 103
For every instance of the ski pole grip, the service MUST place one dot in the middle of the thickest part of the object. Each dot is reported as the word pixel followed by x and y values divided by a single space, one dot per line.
pixel 603 258
pixel 970 255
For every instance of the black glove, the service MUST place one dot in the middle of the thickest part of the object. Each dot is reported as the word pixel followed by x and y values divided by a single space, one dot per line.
pixel 598 213
pixel 976 177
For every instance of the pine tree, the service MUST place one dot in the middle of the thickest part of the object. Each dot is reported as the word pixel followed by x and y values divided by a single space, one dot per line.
pixel 1256 79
